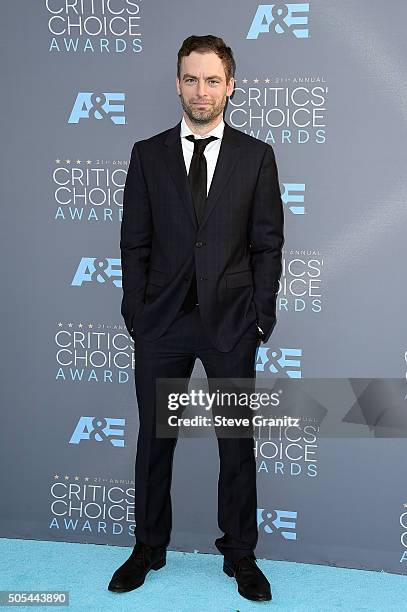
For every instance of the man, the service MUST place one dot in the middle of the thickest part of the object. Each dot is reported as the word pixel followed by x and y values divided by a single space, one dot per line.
pixel 201 243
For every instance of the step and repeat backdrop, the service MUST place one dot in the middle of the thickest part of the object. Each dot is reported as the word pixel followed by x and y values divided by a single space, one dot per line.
pixel 324 83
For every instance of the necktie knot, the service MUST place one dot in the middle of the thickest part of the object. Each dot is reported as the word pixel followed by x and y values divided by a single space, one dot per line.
pixel 200 143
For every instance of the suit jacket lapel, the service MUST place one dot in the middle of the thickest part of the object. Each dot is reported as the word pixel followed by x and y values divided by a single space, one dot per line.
pixel 174 158
pixel 225 164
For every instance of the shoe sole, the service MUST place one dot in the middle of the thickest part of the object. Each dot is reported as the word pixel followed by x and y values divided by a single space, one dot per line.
pixel 229 571
pixel 155 567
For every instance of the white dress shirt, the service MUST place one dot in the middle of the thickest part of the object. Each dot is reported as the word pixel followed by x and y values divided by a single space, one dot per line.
pixel 211 150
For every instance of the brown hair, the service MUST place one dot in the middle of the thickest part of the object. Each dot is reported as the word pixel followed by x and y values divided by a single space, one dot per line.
pixel 204 44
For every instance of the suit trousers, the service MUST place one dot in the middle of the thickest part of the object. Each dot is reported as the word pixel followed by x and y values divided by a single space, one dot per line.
pixel 173 355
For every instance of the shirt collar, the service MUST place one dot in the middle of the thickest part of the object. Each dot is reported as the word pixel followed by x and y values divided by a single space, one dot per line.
pixel 217 131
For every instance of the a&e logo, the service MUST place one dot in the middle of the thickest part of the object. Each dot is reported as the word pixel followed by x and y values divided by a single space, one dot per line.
pixel 294 192
pixel 284 522
pixel 280 18
pixel 284 361
pixel 100 270
pixel 108 105
pixel 99 429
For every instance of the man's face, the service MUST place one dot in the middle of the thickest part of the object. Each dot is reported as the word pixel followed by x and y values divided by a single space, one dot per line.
pixel 202 86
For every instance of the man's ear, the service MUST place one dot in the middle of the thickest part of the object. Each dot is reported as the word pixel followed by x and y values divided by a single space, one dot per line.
pixel 231 84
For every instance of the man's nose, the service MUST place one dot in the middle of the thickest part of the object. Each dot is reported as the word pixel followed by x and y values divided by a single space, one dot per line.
pixel 201 91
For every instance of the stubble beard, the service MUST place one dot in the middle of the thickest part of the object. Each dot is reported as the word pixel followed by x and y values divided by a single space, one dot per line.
pixel 203 116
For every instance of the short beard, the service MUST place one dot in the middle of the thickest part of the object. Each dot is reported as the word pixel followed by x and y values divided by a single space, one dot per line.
pixel 203 117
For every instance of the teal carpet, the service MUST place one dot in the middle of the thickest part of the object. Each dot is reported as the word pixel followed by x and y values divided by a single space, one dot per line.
pixel 189 582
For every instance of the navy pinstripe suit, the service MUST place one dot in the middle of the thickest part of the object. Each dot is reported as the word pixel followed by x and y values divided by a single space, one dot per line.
pixel 236 251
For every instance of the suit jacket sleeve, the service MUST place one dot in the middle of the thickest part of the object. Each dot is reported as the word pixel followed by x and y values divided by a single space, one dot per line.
pixel 135 239
pixel 266 236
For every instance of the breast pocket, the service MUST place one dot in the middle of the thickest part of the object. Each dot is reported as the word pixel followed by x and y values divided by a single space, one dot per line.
pixel 239 279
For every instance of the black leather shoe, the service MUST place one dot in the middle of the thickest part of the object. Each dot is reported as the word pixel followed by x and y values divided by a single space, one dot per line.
pixel 251 581
pixel 133 572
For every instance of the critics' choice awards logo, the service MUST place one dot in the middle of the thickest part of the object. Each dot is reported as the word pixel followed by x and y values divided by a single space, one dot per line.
pixel 103 271
pixel 94 26
pixel 284 110
pixel 89 353
pixel 99 429
pixel 278 522
pixel 108 106
pixel 301 282
pixel 288 450
pixel 280 18
pixel 86 190
pixel 92 505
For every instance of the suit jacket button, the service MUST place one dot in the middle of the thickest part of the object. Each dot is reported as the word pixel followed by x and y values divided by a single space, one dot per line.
pixel 198 244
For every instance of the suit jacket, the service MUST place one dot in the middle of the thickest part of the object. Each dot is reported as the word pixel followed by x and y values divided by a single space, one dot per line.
pixel 236 250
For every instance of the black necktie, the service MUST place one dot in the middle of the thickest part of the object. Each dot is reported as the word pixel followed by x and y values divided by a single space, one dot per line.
pixel 198 174
pixel 198 181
